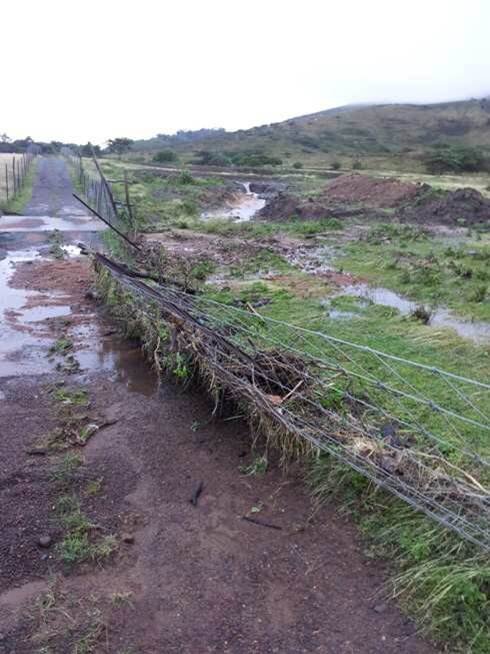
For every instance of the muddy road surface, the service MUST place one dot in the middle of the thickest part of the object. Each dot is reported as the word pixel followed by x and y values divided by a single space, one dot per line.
pixel 101 548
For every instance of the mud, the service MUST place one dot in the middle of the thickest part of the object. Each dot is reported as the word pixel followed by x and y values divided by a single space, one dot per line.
pixel 365 198
pixel 372 191
pixel 195 579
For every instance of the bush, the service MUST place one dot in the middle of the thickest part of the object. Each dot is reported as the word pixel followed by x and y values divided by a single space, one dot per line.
pixel 336 165
pixel 185 178
pixel 357 165
pixel 297 165
pixel 455 159
pixel 165 156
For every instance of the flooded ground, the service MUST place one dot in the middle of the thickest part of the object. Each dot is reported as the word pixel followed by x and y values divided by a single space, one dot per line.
pixel 477 331
pixel 50 223
pixel 242 208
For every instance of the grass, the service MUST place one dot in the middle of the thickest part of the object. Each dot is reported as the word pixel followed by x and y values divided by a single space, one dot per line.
pixel 66 468
pixel 433 270
pixel 17 204
pixel 79 543
pixel 257 468
pixel 61 346
pixel 438 578
pixel 76 396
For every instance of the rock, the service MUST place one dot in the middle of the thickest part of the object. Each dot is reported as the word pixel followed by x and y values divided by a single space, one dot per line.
pixel 92 294
pixel 127 538
pixel 44 541
pixel 380 608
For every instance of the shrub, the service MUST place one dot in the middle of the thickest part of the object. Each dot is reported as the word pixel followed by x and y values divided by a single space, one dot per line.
pixel 455 159
pixel 336 165
pixel 297 165
pixel 165 156
pixel 357 165
pixel 185 178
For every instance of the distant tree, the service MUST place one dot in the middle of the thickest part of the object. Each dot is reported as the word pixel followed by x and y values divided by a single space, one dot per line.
pixel 86 150
pixel 5 138
pixel 357 165
pixel 119 145
pixel 165 156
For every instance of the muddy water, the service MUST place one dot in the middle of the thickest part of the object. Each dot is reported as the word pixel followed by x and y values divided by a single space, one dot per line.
pixel 477 331
pixel 242 209
pixel 317 260
pixel 25 328
pixel 49 223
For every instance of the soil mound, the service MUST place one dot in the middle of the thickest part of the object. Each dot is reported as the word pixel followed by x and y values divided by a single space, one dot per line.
pixel 286 206
pixel 371 191
pixel 465 206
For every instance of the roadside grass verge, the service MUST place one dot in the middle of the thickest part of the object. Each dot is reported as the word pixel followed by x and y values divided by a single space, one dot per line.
pixel 17 204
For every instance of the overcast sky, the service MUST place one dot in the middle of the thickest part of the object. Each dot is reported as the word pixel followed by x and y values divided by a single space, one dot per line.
pixel 95 69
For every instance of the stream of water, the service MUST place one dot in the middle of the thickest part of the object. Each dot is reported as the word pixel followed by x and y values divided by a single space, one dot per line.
pixel 242 209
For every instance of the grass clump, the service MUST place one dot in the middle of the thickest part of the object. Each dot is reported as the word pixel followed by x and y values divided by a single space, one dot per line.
pixel 79 543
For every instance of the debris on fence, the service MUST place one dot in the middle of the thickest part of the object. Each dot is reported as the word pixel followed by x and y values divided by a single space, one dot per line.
pixel 307 391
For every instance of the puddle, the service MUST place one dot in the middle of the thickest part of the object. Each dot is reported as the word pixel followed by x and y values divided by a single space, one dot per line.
pixel 48 223
pixel 118 356
pixel 35 314
pixel 14 298
pixel 242 209
pixel 477 331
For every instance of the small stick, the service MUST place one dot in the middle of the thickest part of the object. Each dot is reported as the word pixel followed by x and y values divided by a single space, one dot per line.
pixel 260 522
pixel 291 392
pixel 195 495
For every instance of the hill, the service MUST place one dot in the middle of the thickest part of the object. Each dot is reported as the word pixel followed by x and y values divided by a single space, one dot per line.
pixel 362 132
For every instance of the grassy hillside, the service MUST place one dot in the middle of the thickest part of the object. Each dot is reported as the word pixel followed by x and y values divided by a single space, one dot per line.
pixel 394 135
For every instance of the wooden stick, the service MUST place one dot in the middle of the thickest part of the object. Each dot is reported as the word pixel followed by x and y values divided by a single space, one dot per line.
pixel 104 220
pixel 261 522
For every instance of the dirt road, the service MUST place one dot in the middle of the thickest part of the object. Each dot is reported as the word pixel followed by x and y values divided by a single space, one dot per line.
pixel 177 578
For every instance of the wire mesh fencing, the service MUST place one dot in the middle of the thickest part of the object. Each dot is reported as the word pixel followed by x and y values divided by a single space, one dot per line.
pixel 420 432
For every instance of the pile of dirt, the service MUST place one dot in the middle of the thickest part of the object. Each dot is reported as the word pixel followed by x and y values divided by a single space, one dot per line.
pixel 371 191
pixel 465 206
pixel 286 206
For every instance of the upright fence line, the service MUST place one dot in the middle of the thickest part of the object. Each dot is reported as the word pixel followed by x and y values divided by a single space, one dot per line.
pixel 100 193
pixel 14 175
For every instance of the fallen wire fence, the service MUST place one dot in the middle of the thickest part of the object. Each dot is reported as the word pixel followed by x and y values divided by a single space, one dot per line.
pixel 419 432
